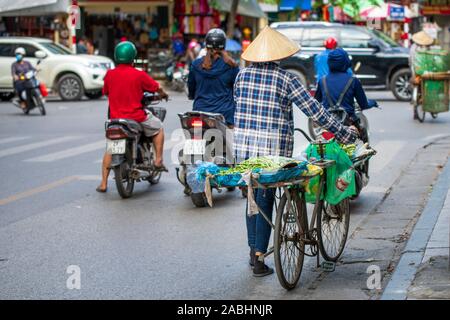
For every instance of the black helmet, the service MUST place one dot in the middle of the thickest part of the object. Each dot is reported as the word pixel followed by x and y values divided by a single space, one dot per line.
pixel 215 39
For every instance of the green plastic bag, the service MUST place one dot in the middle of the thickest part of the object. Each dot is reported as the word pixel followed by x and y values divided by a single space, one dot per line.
pixel 340 177
pixel 431 61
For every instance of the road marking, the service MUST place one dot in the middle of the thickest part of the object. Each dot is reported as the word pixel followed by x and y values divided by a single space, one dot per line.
pixel 37 190
pixel 69 152
pixel 49 186
pixel 12 139
pixel 32 146
pixel 92 178
pixel 387 150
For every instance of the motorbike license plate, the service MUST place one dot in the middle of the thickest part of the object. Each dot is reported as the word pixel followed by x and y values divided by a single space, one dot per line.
pixel 194 147
pixel 116 146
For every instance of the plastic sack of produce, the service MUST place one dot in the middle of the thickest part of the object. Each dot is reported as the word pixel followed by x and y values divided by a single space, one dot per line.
pixel 269 169
pixel 196 175
pixel 340 177
pixel 431 61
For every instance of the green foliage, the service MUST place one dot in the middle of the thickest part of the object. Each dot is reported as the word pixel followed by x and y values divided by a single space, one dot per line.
pixel 353 7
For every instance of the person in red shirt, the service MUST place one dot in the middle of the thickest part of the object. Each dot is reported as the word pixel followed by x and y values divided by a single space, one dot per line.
pixel 125 86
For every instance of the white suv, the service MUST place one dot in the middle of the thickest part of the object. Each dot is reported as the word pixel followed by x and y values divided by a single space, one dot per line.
pixel 69 75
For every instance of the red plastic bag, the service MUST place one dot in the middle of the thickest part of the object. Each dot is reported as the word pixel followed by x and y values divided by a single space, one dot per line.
pixel 43 89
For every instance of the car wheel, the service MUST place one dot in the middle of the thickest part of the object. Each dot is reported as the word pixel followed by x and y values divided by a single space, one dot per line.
pixel 6 96
pixel 94 94
pixel 300 75
pixel 70 87
pixel 401 86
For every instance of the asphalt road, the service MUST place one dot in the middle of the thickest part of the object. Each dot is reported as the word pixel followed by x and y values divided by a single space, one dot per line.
pixel 155 245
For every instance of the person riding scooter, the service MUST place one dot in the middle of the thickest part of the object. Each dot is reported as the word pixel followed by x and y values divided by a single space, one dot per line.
pixel 125 86
pixel 18 69
pixel 321 59
pixel 341 88
pixel 211 78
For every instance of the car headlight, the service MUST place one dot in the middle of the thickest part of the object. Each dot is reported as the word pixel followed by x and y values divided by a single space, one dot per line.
pixel 93 65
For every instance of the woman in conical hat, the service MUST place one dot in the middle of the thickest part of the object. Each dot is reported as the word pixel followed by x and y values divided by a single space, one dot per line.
pixel 421 42
pixel 264 95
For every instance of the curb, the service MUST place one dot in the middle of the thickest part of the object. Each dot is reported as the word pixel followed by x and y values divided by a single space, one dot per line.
pixel 411 258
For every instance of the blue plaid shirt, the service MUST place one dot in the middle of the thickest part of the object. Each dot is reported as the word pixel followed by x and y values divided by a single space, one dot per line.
pixel 264 122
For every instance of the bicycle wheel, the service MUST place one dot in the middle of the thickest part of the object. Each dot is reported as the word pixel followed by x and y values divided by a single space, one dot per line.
pixel 333 223
pixel 289 244
pixel 420 114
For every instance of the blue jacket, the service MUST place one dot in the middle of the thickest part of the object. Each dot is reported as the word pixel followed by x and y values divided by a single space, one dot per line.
pixel 212 90
pixel 321 65
pixel 336 80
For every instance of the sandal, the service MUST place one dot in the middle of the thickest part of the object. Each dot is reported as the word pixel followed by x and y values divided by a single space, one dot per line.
pixel 161 168
pixel 98 189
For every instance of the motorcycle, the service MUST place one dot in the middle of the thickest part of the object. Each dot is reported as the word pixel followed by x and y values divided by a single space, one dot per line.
pixel 206 140
pixel 32 95
pixel 362 122
pixel 176 76
pixel 132 152
pixel 159 61
pixel 361 167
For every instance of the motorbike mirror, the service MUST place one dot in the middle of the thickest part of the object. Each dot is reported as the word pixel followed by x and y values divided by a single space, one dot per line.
pixel 40 54
pixel 357 66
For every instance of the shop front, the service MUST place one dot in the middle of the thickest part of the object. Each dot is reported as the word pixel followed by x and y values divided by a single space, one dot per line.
pixel 35 18
pixel 146 23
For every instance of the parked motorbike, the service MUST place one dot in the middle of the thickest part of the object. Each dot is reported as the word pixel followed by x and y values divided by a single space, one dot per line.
pixel 32 95
pixel 158 62
pixel 132 152
pixel 176 76
pixel 206 140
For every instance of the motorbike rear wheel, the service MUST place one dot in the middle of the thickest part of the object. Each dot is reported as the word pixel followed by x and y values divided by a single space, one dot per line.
pixel 199 199
pixel 124 183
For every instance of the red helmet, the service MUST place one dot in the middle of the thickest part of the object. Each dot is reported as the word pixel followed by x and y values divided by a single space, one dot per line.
pixel 330 43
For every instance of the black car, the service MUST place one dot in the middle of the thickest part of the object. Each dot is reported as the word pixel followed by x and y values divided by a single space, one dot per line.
pixel 384 63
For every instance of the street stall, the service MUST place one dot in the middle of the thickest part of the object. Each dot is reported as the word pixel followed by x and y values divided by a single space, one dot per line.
pixel 33 18
pixel 145 23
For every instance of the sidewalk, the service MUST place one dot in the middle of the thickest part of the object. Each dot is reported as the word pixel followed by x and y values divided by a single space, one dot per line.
pixel 423 271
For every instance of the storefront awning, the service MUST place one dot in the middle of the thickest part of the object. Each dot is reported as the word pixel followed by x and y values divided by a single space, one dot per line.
pixel 19 8
pixel 289 5
pixel 249 8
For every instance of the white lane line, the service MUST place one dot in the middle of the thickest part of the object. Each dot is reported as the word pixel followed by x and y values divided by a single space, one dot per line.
pixel 386 152
pixel 32 146
pixel 70 152
pixel 12 139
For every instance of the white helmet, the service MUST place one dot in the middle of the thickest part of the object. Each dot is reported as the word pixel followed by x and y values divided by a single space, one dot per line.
pixel 20 51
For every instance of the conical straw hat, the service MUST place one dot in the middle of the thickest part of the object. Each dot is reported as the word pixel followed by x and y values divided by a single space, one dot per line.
pixel 422 38
pixel 270 45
